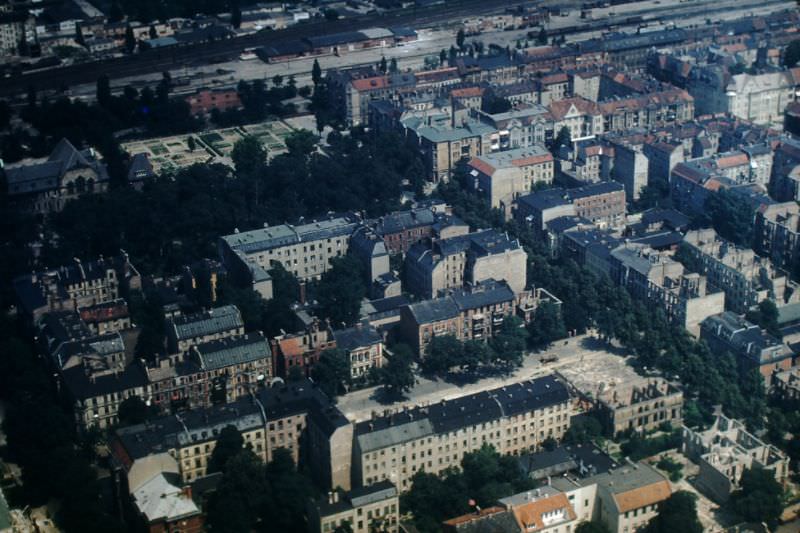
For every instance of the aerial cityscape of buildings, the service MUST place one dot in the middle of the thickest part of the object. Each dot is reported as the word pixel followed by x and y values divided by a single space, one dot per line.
pixel 399 266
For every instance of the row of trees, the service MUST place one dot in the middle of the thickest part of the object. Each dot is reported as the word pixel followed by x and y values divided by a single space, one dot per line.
pixel 504 351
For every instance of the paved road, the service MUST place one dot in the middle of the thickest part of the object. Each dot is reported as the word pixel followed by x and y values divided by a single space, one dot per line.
pixel 359 405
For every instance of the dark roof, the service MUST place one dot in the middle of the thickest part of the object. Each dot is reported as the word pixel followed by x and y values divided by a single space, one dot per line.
pixel 335 39
pixel 594 189
pixel 404 220
pixel 202 425
pixel 660 240
pixel 545 199
pixel 489 292
pixel 402 31
pixel 140 168
pixel 669 217
pixel 233 351
pixel 450 415
pixel 382 305
pixel 359 336
pixel 559 225
pixel 357 497
pixel 82 387
pixel 283 48
pixel 434 310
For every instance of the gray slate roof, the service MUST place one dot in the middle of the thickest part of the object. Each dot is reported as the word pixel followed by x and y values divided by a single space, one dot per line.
pixel 233 351
pixel 217 320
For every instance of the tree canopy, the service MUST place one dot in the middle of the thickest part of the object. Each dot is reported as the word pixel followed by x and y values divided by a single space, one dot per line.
pixel 760 498
pixel 229 444
pixel 677 513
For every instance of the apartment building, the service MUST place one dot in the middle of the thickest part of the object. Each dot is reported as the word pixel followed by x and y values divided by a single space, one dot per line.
pixel 777 233
pixel 755 348
pixel 655 277
pixel 443 145
pixel 502 177
pixel 186 331
pixel 402 229
pixel 759 98
pixel 95 397
pixel 365 509
pixel 641 406
pixel 514 419
pixel 725 450
pixel 16 27
pixel 746 278
pixel 272 418
pixel 364 348
pixel 466 259
pixel 601 203
pixel 301 349
pixel 523 126
pixel 74 286
pixel 352 90
pixel 232 367
pixel 305 250
pixel 785 180
pixel 476 312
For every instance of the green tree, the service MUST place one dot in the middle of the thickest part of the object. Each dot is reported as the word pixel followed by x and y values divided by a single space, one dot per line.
pixel 249 156
pixel 229 444
pixel 541 38
pixel 677 513
pixel 277 80
pixel 474 354
pixel 301 142
pixel 766 316
pixel 509 344
pixel 460 36
pixel 332 372
pixel 316 73
pixel 760 498
pixel 341 290
pixel 241 493
pixel 792 54
pixel 130 40
pixel 582 429
pixel 393 65
pixel 731 215
pixel 152 32
pixel 494 104
pixel 396 375
pixel 562 139
pixel 443 352
pixel 190 142
pixel 547 326
pixel 132 411
pixel 382 65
